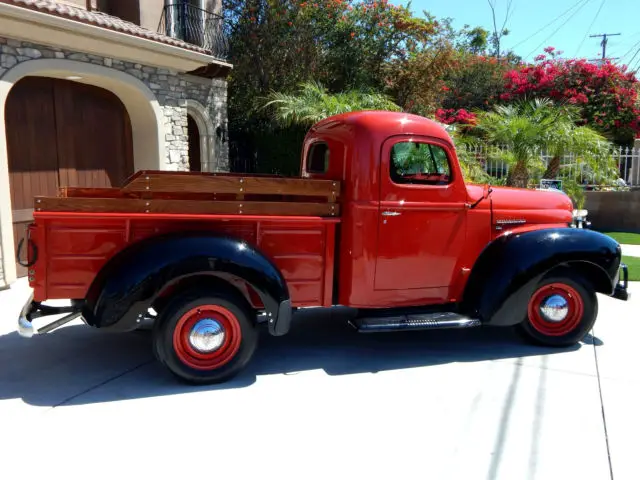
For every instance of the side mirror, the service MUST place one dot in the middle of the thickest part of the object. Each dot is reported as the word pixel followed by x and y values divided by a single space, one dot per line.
pixel 486 191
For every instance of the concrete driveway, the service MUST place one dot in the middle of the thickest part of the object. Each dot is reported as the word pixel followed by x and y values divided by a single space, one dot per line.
pixel 325 402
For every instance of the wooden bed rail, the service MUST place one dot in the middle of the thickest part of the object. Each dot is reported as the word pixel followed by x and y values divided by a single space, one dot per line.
pixel 202 193
pixel 154 181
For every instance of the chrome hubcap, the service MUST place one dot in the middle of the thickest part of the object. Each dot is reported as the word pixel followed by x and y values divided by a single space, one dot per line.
pixel 554 308
pixel 206 336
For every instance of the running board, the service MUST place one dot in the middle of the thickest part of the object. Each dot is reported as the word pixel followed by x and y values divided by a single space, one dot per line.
pixel 422 321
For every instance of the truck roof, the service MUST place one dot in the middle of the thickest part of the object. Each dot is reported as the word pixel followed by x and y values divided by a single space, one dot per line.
pixel 387 123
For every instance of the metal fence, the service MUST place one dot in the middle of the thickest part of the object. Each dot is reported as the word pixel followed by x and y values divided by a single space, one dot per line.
pixel 625 159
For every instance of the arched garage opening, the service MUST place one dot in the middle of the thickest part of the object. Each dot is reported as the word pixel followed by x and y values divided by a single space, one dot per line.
pixel 61 133
pixel 98 125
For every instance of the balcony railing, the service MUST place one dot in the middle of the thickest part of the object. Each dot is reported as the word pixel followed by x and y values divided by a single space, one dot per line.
pixel 196 26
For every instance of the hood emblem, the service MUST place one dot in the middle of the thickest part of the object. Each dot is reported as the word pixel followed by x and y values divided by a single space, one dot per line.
pixel 501 222
pixel 510 221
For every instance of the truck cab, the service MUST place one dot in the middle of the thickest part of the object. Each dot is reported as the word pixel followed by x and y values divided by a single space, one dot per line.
pixel 380 220
pixel 411 233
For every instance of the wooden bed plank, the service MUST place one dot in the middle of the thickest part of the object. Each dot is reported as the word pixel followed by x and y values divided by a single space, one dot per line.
pixel 69 192
pixel 202 183
pixel 129 205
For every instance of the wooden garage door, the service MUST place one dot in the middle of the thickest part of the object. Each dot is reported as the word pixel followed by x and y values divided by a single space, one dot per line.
pixel 63 133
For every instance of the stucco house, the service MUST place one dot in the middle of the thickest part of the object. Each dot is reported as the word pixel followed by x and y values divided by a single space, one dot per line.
pixel 93 90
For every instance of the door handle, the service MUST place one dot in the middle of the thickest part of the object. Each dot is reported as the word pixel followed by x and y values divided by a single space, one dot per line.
pixel 391 214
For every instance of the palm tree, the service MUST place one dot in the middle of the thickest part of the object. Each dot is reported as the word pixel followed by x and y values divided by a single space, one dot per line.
pixel 529 126
pixel 587 145
pixel 313 103
pixel 472 169
pixel 520 127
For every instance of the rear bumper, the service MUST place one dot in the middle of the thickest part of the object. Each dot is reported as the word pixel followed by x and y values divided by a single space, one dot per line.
pixel 621 289
pixel 33 310
pixel 25 327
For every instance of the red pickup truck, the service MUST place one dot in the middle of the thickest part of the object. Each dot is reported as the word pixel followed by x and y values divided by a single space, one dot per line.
pixel 380 220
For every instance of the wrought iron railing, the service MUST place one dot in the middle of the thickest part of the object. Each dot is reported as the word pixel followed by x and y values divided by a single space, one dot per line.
pixel 196 26
pixel 625 159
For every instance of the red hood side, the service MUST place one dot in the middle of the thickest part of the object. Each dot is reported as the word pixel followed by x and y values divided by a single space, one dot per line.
pixel 520 206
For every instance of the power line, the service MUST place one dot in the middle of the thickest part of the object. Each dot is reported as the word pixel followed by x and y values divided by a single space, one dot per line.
pixel 633 58
pixel 589 29
pixel 561 25
pixel 548 24
pixel 631 49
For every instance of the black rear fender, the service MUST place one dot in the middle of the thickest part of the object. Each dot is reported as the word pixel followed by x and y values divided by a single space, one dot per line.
pixel 508 270
pixel 131 281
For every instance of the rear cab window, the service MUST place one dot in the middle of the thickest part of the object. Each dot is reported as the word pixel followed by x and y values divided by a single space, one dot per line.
pixel 318 158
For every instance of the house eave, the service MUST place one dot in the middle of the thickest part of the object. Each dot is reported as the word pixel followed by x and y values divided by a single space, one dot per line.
pixel 37 27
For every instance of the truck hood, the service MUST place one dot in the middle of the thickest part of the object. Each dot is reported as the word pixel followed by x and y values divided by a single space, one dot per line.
pixel 520 206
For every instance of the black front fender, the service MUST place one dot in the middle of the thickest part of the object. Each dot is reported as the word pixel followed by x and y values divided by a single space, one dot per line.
pixel 126 287
pixel 506 274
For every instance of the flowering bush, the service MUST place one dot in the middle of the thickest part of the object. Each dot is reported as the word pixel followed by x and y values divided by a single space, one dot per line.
pixel 450 116
pixel 474 81
pixel 606 93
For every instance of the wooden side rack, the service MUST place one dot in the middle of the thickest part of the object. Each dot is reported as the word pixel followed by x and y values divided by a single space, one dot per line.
pixel 202 193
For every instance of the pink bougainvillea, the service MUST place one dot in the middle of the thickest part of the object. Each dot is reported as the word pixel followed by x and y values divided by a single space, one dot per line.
pixel 450 116
pixel 607 93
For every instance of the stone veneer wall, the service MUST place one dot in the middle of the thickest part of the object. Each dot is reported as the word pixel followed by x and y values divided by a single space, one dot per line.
pixel 171 89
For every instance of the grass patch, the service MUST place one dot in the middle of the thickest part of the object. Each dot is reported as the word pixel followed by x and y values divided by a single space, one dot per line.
pixel 634 267
pixel 625 237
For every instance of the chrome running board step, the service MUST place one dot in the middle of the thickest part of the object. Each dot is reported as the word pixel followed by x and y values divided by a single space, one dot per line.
pixel 422 321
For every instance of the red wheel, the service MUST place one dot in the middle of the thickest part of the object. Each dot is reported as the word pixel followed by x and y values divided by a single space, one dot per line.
pixel 561 311
pixel 555 309
pixel 205 338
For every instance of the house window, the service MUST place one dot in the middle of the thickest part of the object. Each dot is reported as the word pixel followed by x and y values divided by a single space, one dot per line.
pixel 318 158
pixel 419 163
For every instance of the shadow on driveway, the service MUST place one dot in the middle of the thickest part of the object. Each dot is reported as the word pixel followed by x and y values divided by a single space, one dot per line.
pixel 80 365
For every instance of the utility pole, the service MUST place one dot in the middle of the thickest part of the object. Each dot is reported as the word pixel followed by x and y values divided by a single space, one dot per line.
pixel 605 40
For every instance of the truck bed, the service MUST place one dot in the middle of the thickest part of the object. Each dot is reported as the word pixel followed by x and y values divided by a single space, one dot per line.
pixel 292 221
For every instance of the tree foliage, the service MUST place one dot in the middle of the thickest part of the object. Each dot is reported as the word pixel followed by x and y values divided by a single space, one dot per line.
pixel 472 170
pixel 311 59
pixel 312 103
pixel 606 94
pixel 347 46
pixel 527 127
pixel 416 83
pixel 474 81
pixel 278 44
pixel 519 127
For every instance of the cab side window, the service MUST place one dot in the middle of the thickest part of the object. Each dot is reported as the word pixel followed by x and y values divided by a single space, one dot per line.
pixel 419 163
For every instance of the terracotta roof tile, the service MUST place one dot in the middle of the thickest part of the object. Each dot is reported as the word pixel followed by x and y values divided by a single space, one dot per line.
pixel 100 19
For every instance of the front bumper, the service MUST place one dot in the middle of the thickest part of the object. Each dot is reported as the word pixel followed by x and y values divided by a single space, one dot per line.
pixel 32 310
pixel 622 283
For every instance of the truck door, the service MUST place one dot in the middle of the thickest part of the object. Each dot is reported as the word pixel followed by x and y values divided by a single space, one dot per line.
pixel 422 217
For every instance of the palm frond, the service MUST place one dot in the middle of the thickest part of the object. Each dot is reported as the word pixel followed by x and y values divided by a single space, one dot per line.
pixel 312 103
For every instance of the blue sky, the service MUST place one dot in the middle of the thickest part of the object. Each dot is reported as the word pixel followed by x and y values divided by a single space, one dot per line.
pixel 529 16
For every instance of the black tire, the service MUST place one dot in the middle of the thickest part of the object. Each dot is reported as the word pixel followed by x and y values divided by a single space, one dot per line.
pixel 536 331
pixel 172 355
